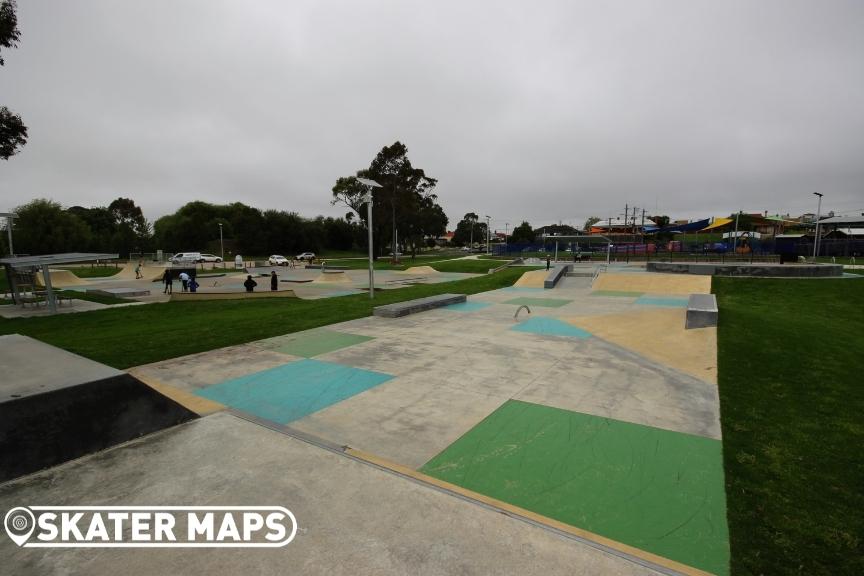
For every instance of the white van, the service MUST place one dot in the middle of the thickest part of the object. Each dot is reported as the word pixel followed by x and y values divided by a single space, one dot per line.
pixel 186 258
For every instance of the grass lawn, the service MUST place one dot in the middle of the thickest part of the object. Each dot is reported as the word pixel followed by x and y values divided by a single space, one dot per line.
pixel 128 336
pixel 792 405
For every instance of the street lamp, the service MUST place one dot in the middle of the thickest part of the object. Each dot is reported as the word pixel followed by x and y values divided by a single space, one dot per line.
pixel 818 215
pixel 10 216
pixel 221 245
pixel 368 199
pixel 488 232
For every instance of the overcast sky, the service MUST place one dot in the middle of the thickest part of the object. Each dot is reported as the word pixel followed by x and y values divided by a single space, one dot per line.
pixel 541 110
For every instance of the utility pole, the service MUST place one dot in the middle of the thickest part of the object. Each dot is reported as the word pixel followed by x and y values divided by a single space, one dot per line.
pixel 488 232
pixel 642 226
pixel 816 237
pixel 735 239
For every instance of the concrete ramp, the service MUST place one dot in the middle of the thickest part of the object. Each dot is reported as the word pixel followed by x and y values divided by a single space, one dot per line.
pixel 532 279
pixel 333 278
pixel 56 406
pixel 60 279
pixel 418 270
pixel 654 283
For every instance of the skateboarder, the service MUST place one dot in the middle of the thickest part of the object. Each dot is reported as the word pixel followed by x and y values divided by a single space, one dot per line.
pixel 169 282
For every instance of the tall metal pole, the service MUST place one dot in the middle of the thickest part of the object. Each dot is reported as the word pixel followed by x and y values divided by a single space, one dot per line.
pixel 818 215
pixel 370 184
pixel 371 267
pixel 10 216
pixel 488 232
pixel 221 245
pixel 735 239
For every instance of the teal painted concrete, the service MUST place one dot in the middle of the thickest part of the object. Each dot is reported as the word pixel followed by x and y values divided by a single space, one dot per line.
pixel 468 306
pixel 664 301
pixel 293 390
pixel 550 327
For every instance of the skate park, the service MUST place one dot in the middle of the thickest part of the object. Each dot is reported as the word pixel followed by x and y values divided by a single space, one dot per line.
pixel 573 428
pixel 214 282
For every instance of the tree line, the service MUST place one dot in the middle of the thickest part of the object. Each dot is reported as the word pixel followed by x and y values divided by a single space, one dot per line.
pixel 44 227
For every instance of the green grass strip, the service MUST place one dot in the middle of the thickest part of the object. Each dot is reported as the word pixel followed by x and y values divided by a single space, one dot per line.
pixel 792 402
pixel 133 335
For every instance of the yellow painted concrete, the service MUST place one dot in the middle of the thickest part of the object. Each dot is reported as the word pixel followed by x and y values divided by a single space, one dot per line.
pixel 659 334
pixel 528 514
pixel 60 279
pixel 333 278
pixel 653 283
pixel 418 270
pixel 197 404
pixel 533 279
pixel 237 295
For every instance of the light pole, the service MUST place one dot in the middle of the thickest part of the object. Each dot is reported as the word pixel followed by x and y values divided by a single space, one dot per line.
pixel 735 239
pixel 221 245
pixel 368 198
pixel 488 232
pixel 506 234
pixel 10 216
pixel 818 215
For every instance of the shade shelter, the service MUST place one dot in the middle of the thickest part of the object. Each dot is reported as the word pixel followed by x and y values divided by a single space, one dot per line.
pixel 21 272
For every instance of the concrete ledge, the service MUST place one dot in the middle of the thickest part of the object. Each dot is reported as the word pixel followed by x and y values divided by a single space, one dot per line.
pixel 200 296
pixel 327 267
pixel 556 274
pixel 420 305
pixel 755 269
pixel 119 292
pixel 701 311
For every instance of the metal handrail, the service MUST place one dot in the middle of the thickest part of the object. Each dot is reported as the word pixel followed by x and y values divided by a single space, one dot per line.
pixel 597 270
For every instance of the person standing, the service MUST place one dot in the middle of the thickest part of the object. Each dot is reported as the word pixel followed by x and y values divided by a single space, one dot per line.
pixel 250 283
pixel 274 281
pixel 548 261
pixel 169 282
pixel 138 275
pixel 184 278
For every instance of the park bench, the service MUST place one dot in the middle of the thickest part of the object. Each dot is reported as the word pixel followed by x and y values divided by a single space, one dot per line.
pixel 421 304
pixel 701 311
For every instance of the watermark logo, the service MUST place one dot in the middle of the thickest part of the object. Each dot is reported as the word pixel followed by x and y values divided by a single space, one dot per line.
pixel 150 526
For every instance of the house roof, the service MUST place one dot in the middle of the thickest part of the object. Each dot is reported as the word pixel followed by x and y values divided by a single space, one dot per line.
pixel 849 231
pixel 843 220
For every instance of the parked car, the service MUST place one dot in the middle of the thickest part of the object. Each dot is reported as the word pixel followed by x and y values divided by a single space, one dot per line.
pixel 210 258
pixel 306 256
pixel 277 260
pixel 186 258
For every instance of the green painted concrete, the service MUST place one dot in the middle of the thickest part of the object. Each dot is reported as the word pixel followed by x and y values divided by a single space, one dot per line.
pixel 654 489
pixel 309 344
pixel 548 302
pixel 620 293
